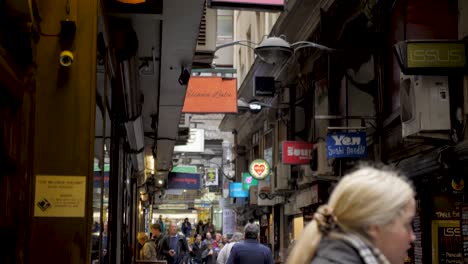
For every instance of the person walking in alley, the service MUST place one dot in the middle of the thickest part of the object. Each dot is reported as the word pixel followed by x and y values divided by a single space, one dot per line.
pixel 174 246
pixel 186 228
pixel 148 250
pixel 250 251
pixel 197 250
pixel 157 237
pixel 226 250
pixel 368 219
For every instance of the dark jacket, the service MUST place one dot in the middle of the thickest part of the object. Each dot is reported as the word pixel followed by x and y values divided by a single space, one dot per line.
pixel 158 243
pixel 250 252
pixel 186 229
pixel 209 259
pixel 182 249
pixel 197 253
pixel 336 251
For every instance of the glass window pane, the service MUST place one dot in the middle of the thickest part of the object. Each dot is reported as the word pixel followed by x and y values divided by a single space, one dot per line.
pixel 225 26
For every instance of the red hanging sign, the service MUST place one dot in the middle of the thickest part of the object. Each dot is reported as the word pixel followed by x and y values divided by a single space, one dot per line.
pixel 297 152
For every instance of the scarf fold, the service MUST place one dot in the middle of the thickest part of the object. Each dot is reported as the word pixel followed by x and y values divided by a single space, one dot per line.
pixel 368 253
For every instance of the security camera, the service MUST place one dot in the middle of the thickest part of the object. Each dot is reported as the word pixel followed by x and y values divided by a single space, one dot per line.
pixel 66 58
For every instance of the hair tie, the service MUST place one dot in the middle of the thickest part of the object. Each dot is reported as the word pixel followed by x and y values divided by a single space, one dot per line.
pixel 325 219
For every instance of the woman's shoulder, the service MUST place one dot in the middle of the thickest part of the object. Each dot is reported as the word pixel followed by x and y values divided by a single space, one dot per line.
pixel 336 251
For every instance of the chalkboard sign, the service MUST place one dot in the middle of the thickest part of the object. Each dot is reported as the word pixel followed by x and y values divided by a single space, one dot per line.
pixel 464 227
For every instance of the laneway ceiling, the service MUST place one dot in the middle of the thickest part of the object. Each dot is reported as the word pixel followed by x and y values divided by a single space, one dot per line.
pixel 169 37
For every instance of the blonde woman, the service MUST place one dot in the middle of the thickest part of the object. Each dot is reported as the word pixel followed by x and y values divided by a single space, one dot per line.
pixel 148 251
pixel 367 220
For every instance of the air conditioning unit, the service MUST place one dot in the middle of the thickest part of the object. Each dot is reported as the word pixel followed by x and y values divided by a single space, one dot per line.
pixel 321 166
pixel 305 175
pixel 425 106
pixel 281 176
pixel 184 120
pixel 206 41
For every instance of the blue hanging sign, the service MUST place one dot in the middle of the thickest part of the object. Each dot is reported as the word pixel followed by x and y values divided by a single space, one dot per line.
pixel 347 145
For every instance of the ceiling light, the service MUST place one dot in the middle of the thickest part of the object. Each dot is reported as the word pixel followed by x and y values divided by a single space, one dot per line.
pixel 160 182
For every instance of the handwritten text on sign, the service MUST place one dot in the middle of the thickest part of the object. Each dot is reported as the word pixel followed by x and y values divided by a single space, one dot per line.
pixel 60 196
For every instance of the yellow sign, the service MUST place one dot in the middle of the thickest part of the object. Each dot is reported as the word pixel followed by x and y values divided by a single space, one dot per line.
pixel 436 55
pixel 60 196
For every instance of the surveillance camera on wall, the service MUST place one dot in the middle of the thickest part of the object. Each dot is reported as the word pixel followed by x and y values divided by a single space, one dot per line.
pixel 66 58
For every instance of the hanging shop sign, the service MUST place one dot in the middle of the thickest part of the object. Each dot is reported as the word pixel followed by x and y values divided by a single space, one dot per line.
pixel 431 57
pixel 259 169
pixel 211 177
pixel 297 152
pixel 236 191
pixel 185 181
pixel 347 145
pixel 211 95
pixel 248 180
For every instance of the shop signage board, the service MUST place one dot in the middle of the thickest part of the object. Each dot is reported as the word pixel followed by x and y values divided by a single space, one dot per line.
pixel 229 221
pixel 211 177
pixel 183 168
pixel 259 169
pixel 446 242
pixel 60 196
pixel 464 230
pixel 432 57
pixel 185 181
pixel 211 95
pixel 248 180
pixel 347 145
pixel 297 152
pixel 236 191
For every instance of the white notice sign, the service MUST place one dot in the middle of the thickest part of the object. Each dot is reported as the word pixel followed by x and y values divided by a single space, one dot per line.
pixel 60 196
pixel 229 221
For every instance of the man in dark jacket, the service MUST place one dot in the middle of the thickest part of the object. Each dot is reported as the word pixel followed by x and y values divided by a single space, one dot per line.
pixel 174 246
pixel 250 251
pixel 157 237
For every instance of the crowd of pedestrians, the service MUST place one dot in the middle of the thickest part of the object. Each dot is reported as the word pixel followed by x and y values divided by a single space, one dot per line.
pixel 352 227
pixel 207 246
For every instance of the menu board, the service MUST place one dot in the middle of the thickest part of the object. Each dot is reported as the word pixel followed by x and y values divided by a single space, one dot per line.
pixel 446 242
pixel 464 227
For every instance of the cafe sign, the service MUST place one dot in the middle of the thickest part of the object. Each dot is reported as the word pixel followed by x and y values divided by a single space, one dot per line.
pixel 259 169
pixel 431 57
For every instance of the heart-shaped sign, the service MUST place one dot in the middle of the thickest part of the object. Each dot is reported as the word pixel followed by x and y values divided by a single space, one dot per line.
pixel 259 168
